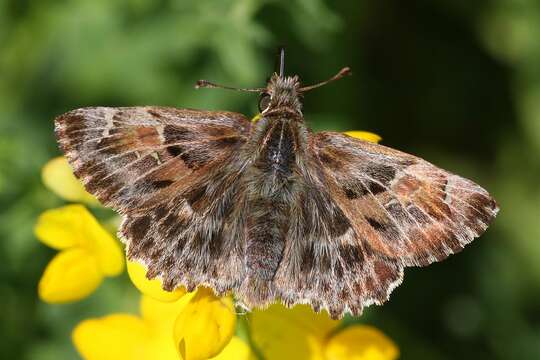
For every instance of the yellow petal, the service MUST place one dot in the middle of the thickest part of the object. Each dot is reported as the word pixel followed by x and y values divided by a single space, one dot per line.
pixel 127 337
pixel 364 135
pixel 205 326
pixel 70 276
pixel 162 315
pixel 159 318
pixel 152 288
pixel 74 225
pixel 60 228
pixel 114 337
pixel 236 349
pixel 105 248
pixel 58 177
pixel 361 343
pixel 297 333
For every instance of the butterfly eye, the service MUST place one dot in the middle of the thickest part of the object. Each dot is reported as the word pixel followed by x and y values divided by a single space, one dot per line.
pixel 264 101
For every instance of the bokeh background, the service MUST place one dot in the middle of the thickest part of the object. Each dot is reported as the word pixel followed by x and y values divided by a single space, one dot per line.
pixel 456 82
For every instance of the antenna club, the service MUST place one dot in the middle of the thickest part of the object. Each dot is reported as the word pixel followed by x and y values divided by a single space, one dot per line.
pixel 342 73
pixel 346 71
pixel 201 84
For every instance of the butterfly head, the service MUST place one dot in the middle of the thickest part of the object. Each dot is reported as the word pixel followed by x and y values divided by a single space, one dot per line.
pixel 282 93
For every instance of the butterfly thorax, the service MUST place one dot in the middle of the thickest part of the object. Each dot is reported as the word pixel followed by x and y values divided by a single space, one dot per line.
pixel 277 146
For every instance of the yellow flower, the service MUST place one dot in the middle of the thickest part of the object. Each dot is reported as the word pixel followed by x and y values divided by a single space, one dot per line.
pixel 364 135
pixel 301 334
pixel 152 288
pixel 205 326
pixel 360 342
pixel 58 177
pixel 125 336
pixel 150 336
pixel 236 349
pixel 87 254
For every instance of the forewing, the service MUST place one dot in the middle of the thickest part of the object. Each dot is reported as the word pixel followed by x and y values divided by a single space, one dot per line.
pixel 400 205
pixel 173 174
pixel 134 157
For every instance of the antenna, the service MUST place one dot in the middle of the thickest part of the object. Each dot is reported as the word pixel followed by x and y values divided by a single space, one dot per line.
pixel 208 84
pixel 342 73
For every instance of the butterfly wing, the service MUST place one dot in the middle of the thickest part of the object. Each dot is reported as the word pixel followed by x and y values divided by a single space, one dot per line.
pixel 367 212
pixel 405 207
pixel 172 174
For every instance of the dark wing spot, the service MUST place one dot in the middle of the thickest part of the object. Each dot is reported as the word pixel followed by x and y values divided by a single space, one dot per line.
pixel 340 224
pixel 218 131
pixel 397 211
pixel 380 177
pixel 216 245
pixel 170 220
pixel 418 215
pixel 354 190
pixel 351 254
pixel 174 225
pixel 139 227
pixel 325 262
pixel 375 224
pixel 160 184
pixel 358 189
pixel 224 142
pixel 389 230
pixel 375 188
pixel 195 159
pixel 174 134
pixel 160 212
pixel 155 113
pixel 338 270
pixel 174 150
pixel 350 193
pixel 73 123
pixel 195 197
pixel 382 173
pixel 308 257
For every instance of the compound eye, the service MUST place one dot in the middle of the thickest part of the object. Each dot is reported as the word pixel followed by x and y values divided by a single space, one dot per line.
pixel 264 101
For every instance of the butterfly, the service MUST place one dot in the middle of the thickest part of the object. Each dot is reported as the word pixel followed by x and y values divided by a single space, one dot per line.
pixel 269 209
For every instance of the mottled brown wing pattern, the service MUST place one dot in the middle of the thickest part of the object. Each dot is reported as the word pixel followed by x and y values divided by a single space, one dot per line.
pixel 130 156
pixel 159 167
pixel 403 206
pixel 367 212
pixel 324 263
pixel 195 238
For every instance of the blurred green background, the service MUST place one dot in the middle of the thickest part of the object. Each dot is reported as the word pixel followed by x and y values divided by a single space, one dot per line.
pixel 456 82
